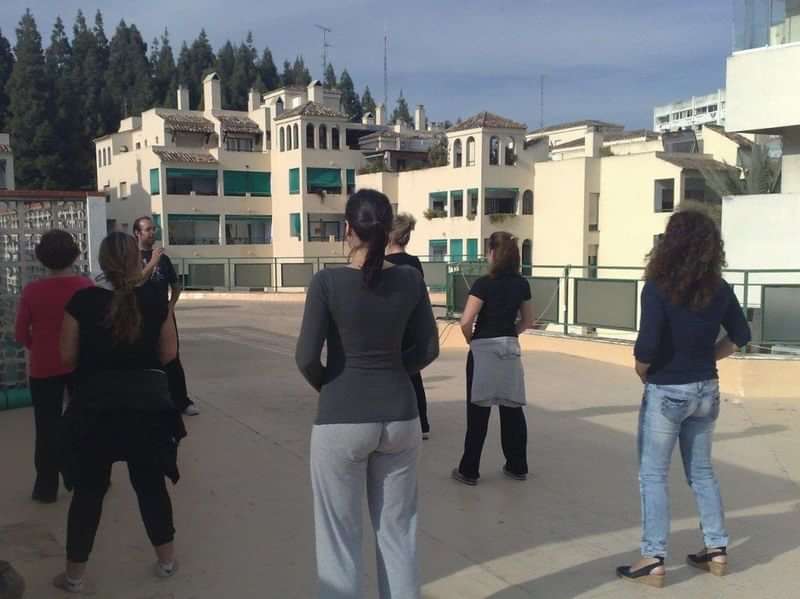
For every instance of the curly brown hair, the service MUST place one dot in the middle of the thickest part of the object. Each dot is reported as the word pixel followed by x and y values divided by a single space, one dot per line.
pixel 687 262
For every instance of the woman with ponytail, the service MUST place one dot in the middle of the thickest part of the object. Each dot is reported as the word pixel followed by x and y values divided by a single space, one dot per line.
pixel 377 323
pixel 117 340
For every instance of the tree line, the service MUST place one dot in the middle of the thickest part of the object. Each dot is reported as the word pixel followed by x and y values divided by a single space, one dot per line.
pixel 55 100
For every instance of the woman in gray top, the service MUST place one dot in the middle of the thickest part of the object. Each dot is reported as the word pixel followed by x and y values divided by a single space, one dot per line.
pixel 367 432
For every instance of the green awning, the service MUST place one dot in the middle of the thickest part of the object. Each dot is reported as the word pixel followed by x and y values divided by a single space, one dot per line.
pixel 438 196
pixel 155 181
pixel 294 180
pixel 473 193
pixel 502 191
pixel 351 177
pixel 253 217
pixel 191 173
pixel 157 225
pixel 472 249
pixel 260 184
pixel 195 217
pixel 323 178
pixel 294 224
pixel 457 195
pixel 235 183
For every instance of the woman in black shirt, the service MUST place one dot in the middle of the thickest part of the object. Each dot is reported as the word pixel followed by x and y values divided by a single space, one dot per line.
pixel 402 227
pixel 495 301
pixel 118 340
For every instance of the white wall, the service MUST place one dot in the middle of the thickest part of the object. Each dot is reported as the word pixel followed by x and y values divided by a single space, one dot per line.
pixel 760 231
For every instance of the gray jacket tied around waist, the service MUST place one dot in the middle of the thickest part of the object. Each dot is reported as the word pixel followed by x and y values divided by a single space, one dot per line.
pixel 498 377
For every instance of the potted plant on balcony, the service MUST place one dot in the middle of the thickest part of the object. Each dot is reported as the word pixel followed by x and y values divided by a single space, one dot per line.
pixel 432 213
pixel 497 219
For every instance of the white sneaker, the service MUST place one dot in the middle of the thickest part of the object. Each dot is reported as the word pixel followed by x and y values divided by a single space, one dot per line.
pixel 165 570
pixel 191 410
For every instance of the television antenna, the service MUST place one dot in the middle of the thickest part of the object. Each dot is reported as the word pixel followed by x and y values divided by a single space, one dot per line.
pixel 325 45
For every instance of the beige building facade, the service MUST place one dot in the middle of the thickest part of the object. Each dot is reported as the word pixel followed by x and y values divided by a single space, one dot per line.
pixel 6 163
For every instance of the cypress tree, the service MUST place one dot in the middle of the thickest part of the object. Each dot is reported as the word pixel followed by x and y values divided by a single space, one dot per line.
pixel 330 77
pixel 287 77
pixel 30 123
pixel 6 66
pixel 226 59
pixel 268 72
pixel 201 62
pixel 128 78
pixel 351 104
pixel 401 112
pixel 165 80
pixel 367 102
pixel 302 76
pixel 245 74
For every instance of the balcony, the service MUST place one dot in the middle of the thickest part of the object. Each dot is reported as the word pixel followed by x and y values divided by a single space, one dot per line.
pixel 760 23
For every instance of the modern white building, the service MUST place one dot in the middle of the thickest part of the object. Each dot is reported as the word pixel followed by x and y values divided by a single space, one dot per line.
pixel 691 113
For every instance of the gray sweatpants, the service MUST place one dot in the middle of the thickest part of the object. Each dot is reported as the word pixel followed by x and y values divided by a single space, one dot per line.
pixel 346 459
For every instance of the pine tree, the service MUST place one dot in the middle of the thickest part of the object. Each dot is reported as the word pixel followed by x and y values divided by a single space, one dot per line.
pixel 302 76
pixel 330 77
pixel 245 74
pixel 401 112
pixel 30 123
pixel 351 104
pixel 194 63
pixel 226 57
pixel 6 66
pixel 108 110
pixel 268 72
pixel 368 102
pixel 165 80
pixel 287 77
pixel 128 78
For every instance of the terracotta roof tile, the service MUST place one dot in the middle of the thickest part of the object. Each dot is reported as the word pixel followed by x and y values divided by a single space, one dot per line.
pixel 486 120
pixel 185 157
pixel 186 122
pixel 237 124
pixel 634 134
pixel 4 148
pixel 311 109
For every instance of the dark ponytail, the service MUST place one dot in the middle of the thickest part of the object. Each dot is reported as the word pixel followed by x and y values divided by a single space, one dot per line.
pixel 369 214
pixel 506 254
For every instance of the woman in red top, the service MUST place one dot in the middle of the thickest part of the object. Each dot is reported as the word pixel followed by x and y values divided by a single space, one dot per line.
pixel 39 317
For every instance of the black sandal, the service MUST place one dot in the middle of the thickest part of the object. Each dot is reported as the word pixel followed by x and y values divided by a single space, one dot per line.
pixel 643 575
pixel 704 561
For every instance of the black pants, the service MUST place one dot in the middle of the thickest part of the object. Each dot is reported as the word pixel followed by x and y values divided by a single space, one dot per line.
pixel 513 432
pixel 94 473
pixel 422 402
pixel 47 396
pixel 177 379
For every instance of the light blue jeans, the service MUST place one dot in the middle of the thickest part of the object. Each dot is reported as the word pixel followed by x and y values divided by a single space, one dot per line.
pixel 685 413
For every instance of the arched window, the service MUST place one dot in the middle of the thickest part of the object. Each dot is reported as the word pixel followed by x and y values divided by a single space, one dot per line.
pixel 471 151
pixel 99 158
pixel 494 150
pixel 457 154
pixel 527 202
pixel 279 107
pixel 527 257
pixel 335 144
pixel 282 136
pixel 323 137
pixel 511 152
pixel 296 137
pixel 310 136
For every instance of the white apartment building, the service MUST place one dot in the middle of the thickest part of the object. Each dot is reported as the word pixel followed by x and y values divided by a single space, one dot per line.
pixel 6 162
pixel 691 113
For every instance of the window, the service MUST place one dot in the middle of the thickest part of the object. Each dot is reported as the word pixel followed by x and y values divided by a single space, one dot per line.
pixel 472 250
pixel 138 145
pixel 471 151
pixel 323 137
pixel 108 155
pixel 240 183
pixel 123 190
pixel 437 202
pixel 111 225
pixel 282 139
pixel 527 202
pixel 351 180
pixel 456 250
pixel 328 180
pixel 657 239
pixel 323 227
pixel 99 158
pixel 294 225
pixel 310 136
pixel 592 261
pixel 296 136
pixel 437 250
pixel 501 200
pixel 3 171
pixel 472 196
pixel 494 150
pixel 665 195
pixel 125 227
pixel 694 189
pixel 511 153
pixel 193 229
pixel 279 106
pixel 335 144
pixel 457 154
pixel 185 181
pixel 155 181
pixel 157 226
pixel 527 258
pixel 457 201
pixel 594 211
pixel 239 144
pixel 294 180
pixel 248 230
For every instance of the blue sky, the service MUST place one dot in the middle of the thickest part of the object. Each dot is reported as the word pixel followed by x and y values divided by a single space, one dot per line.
pixel 603 59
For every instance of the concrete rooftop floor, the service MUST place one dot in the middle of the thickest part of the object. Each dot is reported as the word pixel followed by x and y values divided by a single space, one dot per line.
pixel 243 507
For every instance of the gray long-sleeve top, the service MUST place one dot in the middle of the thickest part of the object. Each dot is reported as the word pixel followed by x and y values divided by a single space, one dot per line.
pixel 366 377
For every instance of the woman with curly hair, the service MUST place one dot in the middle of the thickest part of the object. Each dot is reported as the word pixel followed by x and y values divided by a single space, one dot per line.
pixel 685 301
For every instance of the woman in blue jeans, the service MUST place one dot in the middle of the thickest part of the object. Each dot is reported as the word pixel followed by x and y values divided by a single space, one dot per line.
pixel 685 302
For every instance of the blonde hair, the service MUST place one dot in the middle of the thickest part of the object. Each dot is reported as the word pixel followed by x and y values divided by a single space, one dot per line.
pixel 119 259
pixel 402 227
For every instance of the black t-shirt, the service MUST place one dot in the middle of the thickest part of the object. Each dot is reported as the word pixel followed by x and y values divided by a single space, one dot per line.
pixel 403 259
pixel 163 276
pixel 502 297
pixel 98 352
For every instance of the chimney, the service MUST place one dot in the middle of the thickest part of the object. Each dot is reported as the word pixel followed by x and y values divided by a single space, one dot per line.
pixel 420 122
pixel 593 143
pixel 212 93
pixel 380 114
pixel 253 100
pixel 368 119
pixel 315 91
pixel 183 97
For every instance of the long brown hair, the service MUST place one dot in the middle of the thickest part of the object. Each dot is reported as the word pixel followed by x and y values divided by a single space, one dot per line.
pixel 369 215
pixel 506 254
pixel 402 226
pixel 687 262
pixel 120 261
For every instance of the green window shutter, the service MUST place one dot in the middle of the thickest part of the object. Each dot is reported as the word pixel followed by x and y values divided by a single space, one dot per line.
pixel 438 196
pixel 323 178
pixel 155 181
pixel 235 183
pixel 294 224
pixel 248 217
pixel 457 195
pixel 472 250
pixel 260 184
pixel 157 223
pixel 351 177
pixel 456 250
pixel 294 180
pixel 502 191
pixel 196 218
pixel 191 172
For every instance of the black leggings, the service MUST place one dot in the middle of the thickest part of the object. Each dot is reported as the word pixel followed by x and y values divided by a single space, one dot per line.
pixel 177 378
pixel 422 402
pixel 47 396
pixel 513 433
